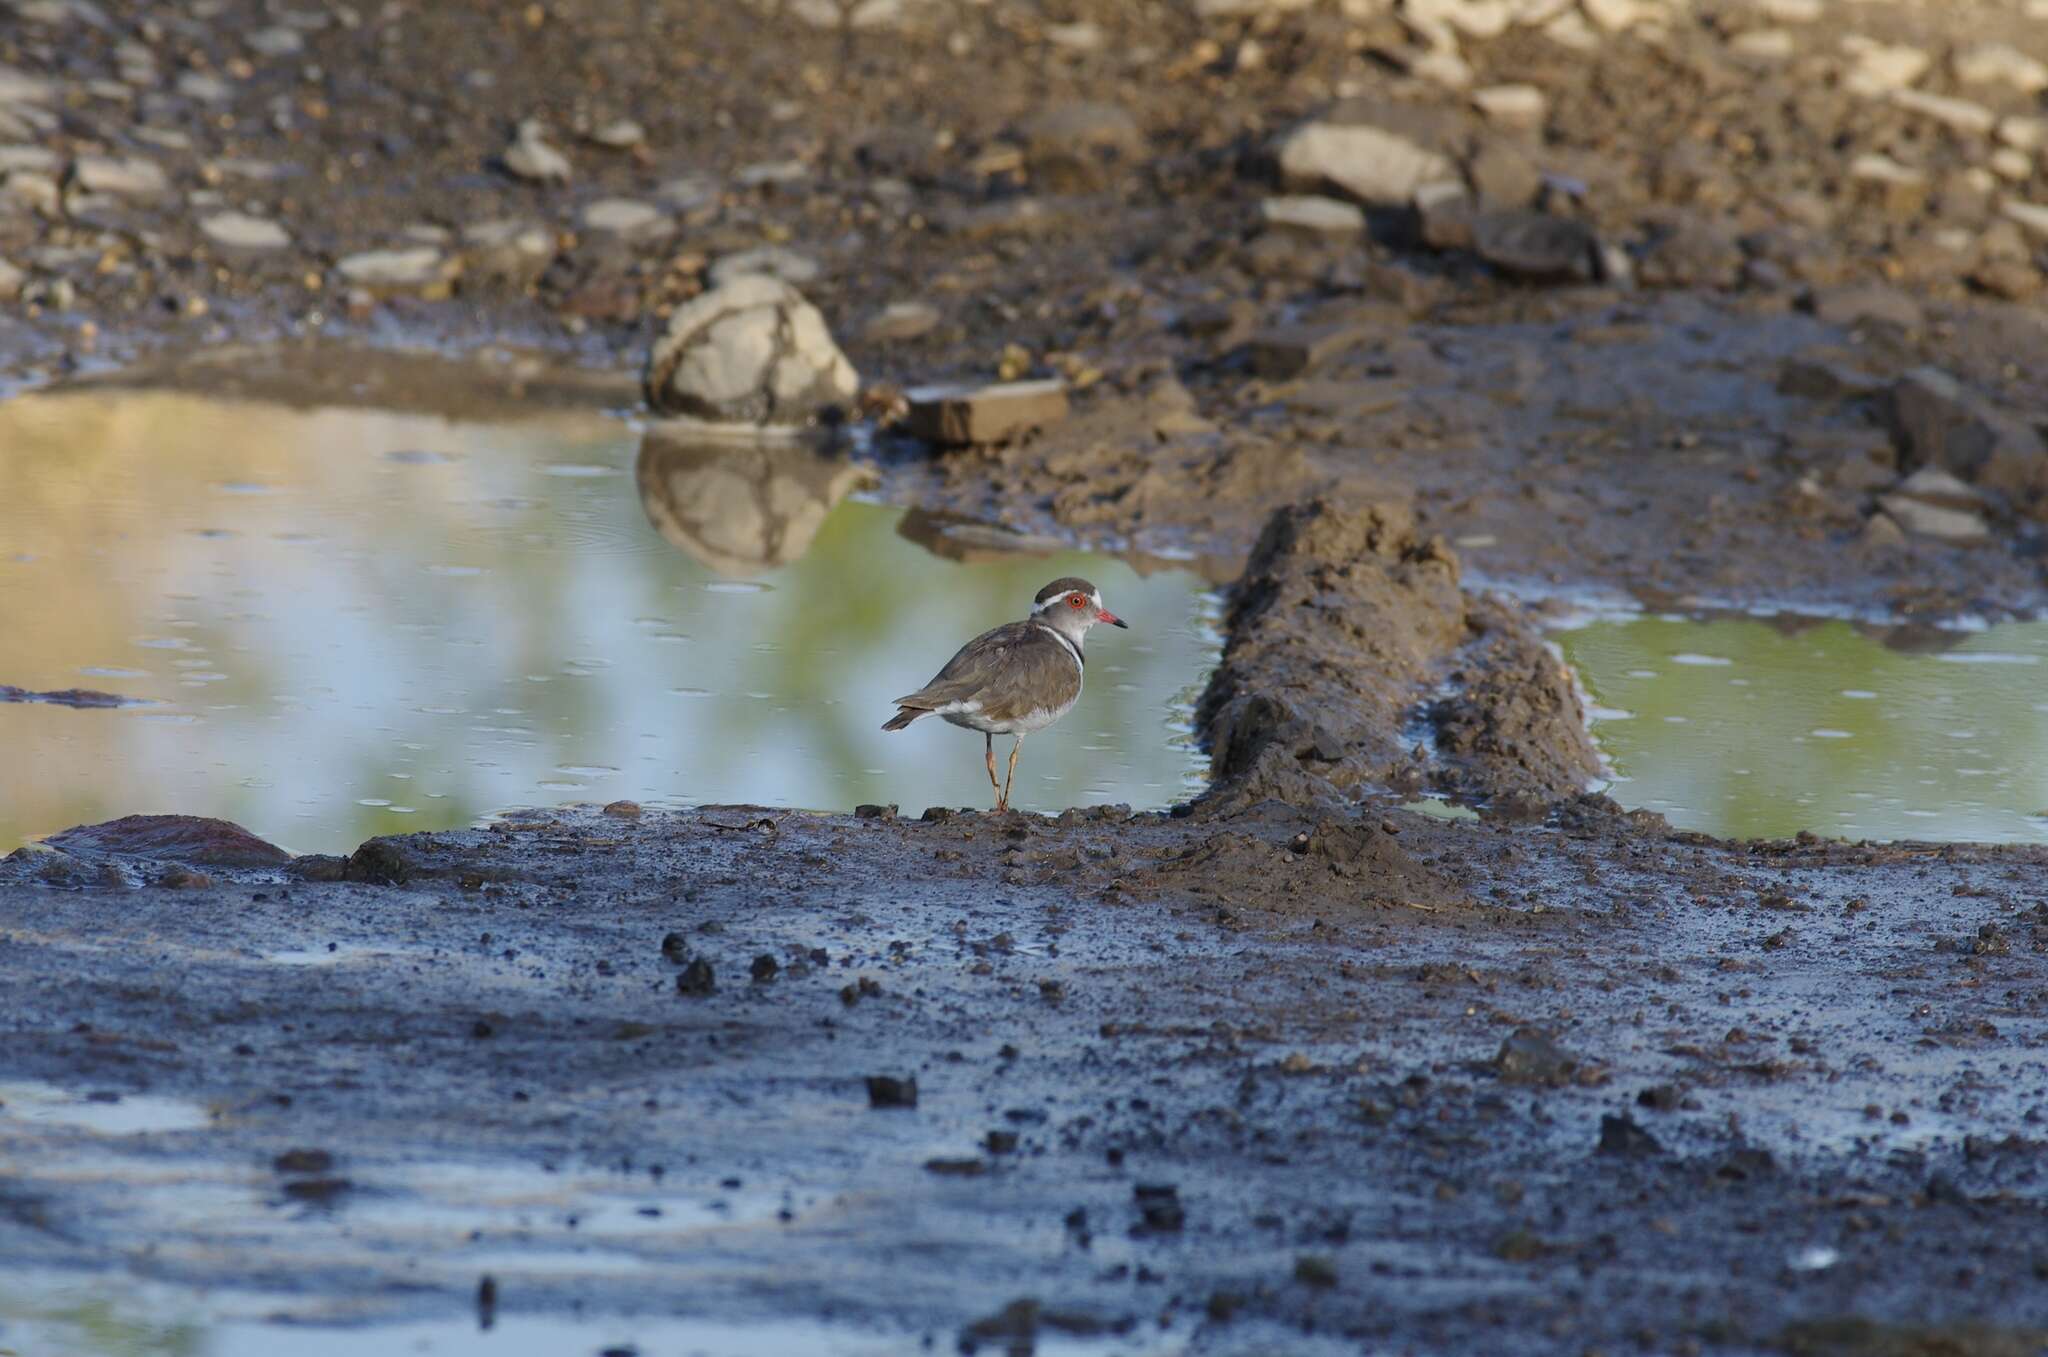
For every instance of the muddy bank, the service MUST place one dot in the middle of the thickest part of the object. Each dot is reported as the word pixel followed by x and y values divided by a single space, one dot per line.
pixel 1461 1088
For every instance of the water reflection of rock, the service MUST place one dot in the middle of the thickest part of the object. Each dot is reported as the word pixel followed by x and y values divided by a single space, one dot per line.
pixel 741 506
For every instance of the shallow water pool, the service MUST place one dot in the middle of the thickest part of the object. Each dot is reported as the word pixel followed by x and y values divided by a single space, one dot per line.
pixel 341 622
pixel 1763 727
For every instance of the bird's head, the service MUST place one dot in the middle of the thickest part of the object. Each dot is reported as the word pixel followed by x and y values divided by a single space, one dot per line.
pixel 1073 605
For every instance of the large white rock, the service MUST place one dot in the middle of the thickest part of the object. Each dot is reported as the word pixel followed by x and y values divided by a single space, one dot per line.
pixel 751 351
pixel 240 231
pixel 1372 164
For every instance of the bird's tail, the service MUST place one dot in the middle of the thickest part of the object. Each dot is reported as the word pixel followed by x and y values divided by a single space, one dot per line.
pixel 903 718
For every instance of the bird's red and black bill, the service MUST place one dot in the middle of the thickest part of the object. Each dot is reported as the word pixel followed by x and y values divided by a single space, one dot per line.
pixel 1078 601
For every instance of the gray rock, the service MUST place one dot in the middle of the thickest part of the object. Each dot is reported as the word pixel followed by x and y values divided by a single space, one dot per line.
pixel 11 281
pixel 29 189
pixel 1314 217
pixel 772 174
pixel 1900 190
pixel 1999 63
pixel 902 320
pixel 1932 485
pixel 38 158
pixel 623 134
pixel 240 231
pixel 1537 246
pixel 627 218
pixel 2029 217
pixel 1860 304
pixel 1076 147
pixel 206 89
pixel 1928 520
pixel 508 249
pixel 1877 68
pixel 1959 114
pixel 530 156
pixel 1519 108
pixel 1881 530
pixel 413 267
pixel 771 261
pixel 1504 174
pixel 1692 252
pixel 19 87
pixel 1938 422
pixel 1381 165
pixel 127 177
pixel 751 351
pixel 277 41
pixel 689 193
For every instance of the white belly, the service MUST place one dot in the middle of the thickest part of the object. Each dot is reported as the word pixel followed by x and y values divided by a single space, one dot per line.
pixel 1027 724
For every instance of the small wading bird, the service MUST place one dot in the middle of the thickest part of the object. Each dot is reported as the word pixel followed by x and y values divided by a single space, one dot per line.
pixel 1017 679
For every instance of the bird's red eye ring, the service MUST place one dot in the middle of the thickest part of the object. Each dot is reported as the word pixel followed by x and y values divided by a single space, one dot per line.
pixel 1076 601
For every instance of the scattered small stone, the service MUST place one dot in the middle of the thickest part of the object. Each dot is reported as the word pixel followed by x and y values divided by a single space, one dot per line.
pixel 1530 1056
pixel 887 1090
pixel 956 1168
pixel 1376 165
pixel 689 193
pixel 675 947
pixel 1519 107
pixel 622 134
pixel 277 41
pixel 993 413
pixel 1959 526
pixel 304 1161
pixel 1933 485
pixel 416 267
pixel 204 88
pixel 627 218
pixel 697 979
pixel 1077 147
pixel 531 156
pixel 870 811
pixel 1883 532
pixel 1999 63
pixel 1313 217
pixel 36 158
pixel 2010 163
pixel 901 321
pixel 769 261
pixel 751 351
pixel 1764 44
pixel 1877 68
pixel 1159 1208
pixel 1959 114
pixel 129 177
pixel 1936 421
pixel 623 810
pixel 1000 1142
pixel 764 969
pixel 1286 352
pixel 1621 1135
pixel 1313 1269
pixel 772 174
pixel 1536 245
pixel 2031 217
pixel 240 231
pixel 11 281
pixel 2023 133
pixel 1899 190
pixel 378 862
pixel 1861 303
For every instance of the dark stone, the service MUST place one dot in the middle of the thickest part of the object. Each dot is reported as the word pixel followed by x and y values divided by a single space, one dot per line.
pixel 870 811
pixel 174 838
pixel 303 1161
pixel 318 867
pixel 1621 1135
pixel 317 1190
pixel 764 969
pixel 1937 421
pixel 887 1090
pixel 1537 246
pixel 1159 1208
pixel 378 862
pixel 675 947
pixel 1529 1056
pixel 697 979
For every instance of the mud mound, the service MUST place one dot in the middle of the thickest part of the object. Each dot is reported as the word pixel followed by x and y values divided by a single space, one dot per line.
pixel 1345 627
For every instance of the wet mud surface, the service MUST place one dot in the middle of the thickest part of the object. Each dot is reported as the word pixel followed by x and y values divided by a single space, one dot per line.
pixel 1253 1082
pixel 1290 1069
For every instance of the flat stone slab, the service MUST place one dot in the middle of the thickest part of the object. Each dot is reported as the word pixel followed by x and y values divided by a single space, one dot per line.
pixel 240 231
pixel 1286 351
pixel 961 414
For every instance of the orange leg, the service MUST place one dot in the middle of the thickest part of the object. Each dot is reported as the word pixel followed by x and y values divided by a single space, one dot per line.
pixel 989 748
pixel 1004 802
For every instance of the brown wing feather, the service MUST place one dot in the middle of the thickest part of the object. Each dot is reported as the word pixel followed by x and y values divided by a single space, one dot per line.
pixel 972 667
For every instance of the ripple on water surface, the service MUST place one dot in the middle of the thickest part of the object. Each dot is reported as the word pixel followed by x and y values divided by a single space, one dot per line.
pixel 321 599
pixel 1764 728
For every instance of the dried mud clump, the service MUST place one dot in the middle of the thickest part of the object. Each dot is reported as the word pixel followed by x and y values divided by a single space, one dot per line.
pixel 1356 662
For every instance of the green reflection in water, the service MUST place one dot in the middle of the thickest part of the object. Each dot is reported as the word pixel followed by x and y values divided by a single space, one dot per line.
pixel 74 1326
pixel 1763 728
pixel 359 622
